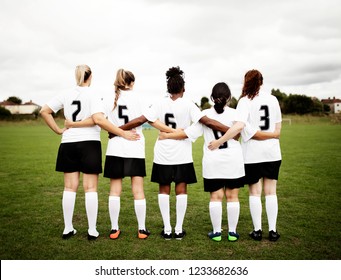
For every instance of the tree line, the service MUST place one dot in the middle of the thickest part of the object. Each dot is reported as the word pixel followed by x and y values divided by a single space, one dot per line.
pixel 290 104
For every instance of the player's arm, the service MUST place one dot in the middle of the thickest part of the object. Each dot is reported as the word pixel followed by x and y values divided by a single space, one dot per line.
pixel 161 126
pixel 215 125
pixel 46 113
pixel 88 122
pixel 130 125
pixel 141 120
pixel 103 122
pixel 232 132
pixel 260 135
pixel 177 135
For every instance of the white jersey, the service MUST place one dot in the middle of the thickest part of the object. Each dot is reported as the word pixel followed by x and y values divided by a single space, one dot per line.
pixel 128 108
pixel 263 112
pixel 79 104
pixel 180 113
pixel 227 161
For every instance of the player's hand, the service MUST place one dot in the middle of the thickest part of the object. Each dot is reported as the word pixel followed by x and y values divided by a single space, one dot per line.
pixel 68 123
pixel 162 135
pixel 214 145
pixel 131 135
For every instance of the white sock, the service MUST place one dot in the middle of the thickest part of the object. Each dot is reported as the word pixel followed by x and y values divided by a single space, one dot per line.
pixel 271 206
pixel 91 206
pixel 140 211
pixel 114 210
pixel 164 209
pixel 256 211
pixel 68 205
pixel 233 210
pixel 181 207
pixel 216 210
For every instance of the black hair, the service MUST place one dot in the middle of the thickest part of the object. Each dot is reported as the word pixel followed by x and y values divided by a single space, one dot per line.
pixel 221 94
pixel 175 80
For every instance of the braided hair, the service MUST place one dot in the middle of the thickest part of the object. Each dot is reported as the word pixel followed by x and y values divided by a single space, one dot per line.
pixel 123 80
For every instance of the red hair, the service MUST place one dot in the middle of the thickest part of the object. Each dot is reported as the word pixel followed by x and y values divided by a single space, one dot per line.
pixel 253 80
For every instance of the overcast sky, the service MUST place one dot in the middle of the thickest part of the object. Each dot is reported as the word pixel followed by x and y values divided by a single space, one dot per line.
pixel 296 44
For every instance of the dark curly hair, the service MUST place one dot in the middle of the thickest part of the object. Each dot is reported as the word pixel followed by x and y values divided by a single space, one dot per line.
pixel 253 80
pixel 221 94
pixel 175 80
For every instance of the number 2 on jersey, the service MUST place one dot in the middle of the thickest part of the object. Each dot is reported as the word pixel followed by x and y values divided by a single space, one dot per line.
pixel 265 118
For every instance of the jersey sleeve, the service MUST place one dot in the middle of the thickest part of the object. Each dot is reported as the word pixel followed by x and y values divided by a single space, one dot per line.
pixel 248 132
pixel 56 103
pixel 242 110
pixel 150 112
pixel 278 113
pixel 194 131
pixel 195 112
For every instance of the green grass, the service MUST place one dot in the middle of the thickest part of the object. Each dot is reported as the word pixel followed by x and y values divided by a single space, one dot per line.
pixel 309 194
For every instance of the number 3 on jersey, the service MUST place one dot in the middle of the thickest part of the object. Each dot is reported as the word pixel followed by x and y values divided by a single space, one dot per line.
pixel 265 118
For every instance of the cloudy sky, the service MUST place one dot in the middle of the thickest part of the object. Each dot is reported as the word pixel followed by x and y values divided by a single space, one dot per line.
pixel 296 44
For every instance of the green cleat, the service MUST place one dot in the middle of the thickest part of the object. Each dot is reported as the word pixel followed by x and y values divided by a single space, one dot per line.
pixel 233 236
pixel 215 236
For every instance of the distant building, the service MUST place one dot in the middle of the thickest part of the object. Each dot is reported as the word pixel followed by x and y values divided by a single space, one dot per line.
pixel 333 103
pixel 27 108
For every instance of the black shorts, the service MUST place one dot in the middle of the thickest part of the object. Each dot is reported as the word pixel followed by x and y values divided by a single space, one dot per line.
pixel 118 167
pixel 212 185
pixel 85 156
pixel 178 173
pixel 256 171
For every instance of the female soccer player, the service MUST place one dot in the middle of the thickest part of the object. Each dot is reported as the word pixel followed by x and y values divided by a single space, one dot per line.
pixel 262 158
pixel 80 148
pixel 125 158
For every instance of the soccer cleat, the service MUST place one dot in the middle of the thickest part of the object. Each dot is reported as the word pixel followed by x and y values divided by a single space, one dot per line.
pixel 215 236
pixel 179 236
pixel 70 234
pixel 92 237
pixel 143 233
pixel 273 235
pixel 232 236
pixel 114 233
pixel 256 235
pixel 166 236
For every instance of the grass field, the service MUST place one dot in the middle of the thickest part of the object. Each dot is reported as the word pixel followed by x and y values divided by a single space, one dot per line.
pixel 309 194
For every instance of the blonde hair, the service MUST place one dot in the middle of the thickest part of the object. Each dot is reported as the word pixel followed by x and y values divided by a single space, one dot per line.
pixel 123 80
pixel 82 74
